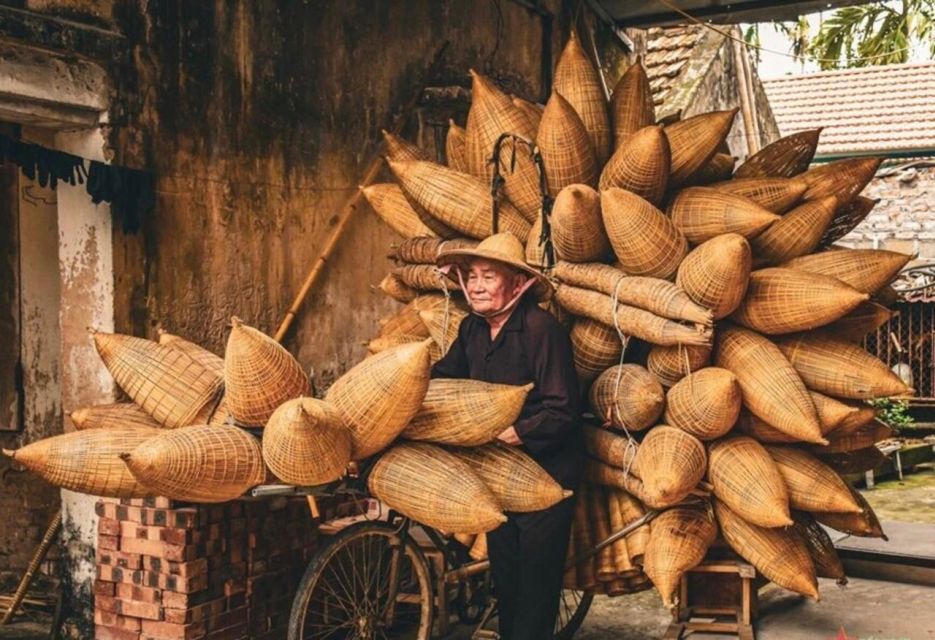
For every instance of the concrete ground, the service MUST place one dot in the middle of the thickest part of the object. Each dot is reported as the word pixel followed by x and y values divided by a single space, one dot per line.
pixel 909 500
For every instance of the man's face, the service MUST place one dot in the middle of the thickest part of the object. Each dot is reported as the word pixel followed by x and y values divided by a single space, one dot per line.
pixel 491 285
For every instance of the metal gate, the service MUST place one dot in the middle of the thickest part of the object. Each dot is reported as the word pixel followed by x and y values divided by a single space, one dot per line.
pixel 907 345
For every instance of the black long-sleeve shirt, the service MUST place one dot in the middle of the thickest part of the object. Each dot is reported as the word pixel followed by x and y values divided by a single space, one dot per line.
pixel 531 347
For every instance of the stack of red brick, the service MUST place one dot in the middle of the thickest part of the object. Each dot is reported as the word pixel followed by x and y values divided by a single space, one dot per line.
pixel 175 571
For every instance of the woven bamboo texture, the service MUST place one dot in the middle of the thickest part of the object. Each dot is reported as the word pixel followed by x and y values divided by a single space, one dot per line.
pixel 583 537
pixel 839 368
pixel 887 296
pixel 399 150
pixel 640 166
pixel 606 569
pixel 259 375
pixel 87 461
pixel 866 318
pixel 745 477
pixel 466 412
pixel 435 488
pixel 864 524
pixel 534 251
pixel 579 83
pixel 631 104
pixel 702 213
pixel 788 300
pixel 779 554
pixel 715 274
pixel 831 415
pixel 603 474
pixel 305 443
pixel 719 168
pixel 443 325
pixel 705 403
pixel 862 417
pixel 847 218
pixel 531 110
pixel 868 436
pixel 455 142
pixel 378 397
pixel 772 389
pixel 407 321
pixel 621 554
pixel 200 463
pixel 678 541
pixel 671 463
pixel 643 238
pixel 210 361
pixel 479 548
pixel 867 270
pixel 595 346
pixel 425 250
pixel 636 405
pixel 423 277
pixel 395 288
pixel 773 194
pixel 655 295
pixel 843 179
pixel 671 364
pixel 610 447
pixel 516 480
pixel 787 157
pixel 577 226
pixel 168 384
pixel 631 320
pixel 854 462
pixel 382 343
pixel 812 485
pixel 796 233
pixel 630 510
pixel 566 148
pixel 112 416
pixel 820 547
pixel 390 203
pixel 694 141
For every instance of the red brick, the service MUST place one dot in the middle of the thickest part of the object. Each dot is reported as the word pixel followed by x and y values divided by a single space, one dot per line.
pixel 103 588
pixel 114 633
pixel 145 610
pixel 108 543
pixel 173 535
pixel 108 527
pixel 184 517
pixel 108 619
pixel 206 611
pixel 120 559
pixel 184 569
pixel 138 593
pixel 170 631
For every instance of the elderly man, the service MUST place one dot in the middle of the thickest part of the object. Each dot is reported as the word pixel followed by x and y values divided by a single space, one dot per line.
pixel 509 339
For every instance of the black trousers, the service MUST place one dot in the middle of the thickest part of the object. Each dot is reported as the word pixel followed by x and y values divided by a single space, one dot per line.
pixel 527 557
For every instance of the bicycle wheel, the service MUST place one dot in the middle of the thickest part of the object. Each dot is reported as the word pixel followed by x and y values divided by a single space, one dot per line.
pixel 572 609
pixel 364 584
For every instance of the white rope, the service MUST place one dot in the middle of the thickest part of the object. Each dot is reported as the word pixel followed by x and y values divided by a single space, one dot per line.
pixel 629 454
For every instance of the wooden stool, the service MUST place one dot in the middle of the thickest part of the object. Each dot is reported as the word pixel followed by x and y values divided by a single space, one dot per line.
pixel 717 596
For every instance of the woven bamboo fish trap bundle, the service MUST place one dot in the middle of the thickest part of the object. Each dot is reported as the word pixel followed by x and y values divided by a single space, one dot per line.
pixel 640 166
pixel 466 412
pixel 606 568
pixel 435 488
pixel 631 320
pixel 868 436
pixel 635 404
pixel 705 403
pixel 772 388
pixel 200 463
pixel 856 421
pixel 719 168
pixel 678 541
pixel 812 485
pixel 787 157
pixel 606 475
pixel 840 368
pixel 631 104
pixel 787 300
pixel 746 478
pixel 820 547
pixel 459 200
pixel 854 462
pixel 406 321
pixel 671 463
pixel 443 325
pixel 577 226
pixel 167 383
pixel 867 270
pixel 531 110
pixel 694 141
pixel 847 218
pixel 305 443
pixel 832 414
pixel 773 194
pixel 843 179
pixel 112 416
pixel 578 81
pixel 210 361
pixel 259 375
pixel 87 461
pixel 395 288
pixel 715 274
pixel 595 347
pixel 864 524
pixel 423 277
pixel 671 364
pixel 455 143
pixel 621 553
pixel 401 150
pixel 516 480
pixel 866 318
pixel 584 538
pixel 702 213
pixel 643 238
pixel 796 233
pixel 566 148
pixel 779 554
pixel 425 250
pixel 390 203
pixel 655 295
pixel 610 447
pixel 378 397
pixel 630 510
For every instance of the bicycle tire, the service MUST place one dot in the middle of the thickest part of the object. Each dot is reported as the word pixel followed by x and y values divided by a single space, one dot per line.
pixel 571 612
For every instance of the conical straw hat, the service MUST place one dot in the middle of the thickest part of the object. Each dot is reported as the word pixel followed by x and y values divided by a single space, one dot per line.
pixel 516 480
pixel 745 477
pixel 395 288
pixel 595 346
pixel 694 141
pixel 455 151
pixel 466 412
pixel 500 247
pixel 779 554
pixel 631 105
pixel 87 461
pixel 820 547
pixel 866 270
pixel 843 179
pixel 399 149
pixel 795 234
pixel 864 524
pixel 112 416
pixel 636 403
pixel 671 364
pixel 847 218
pixel 389 202
pixel 259 375
pixel 772 388
pixel 812 485
pixel 644 239
pixel 703 213
pixel 533 111
pixel 210 361
pixel 787 300
pixel 773 194
pixel 577 226
pixel 787 157
pixel 435 488
pixel 565 146
pixel 198 463
pixel 640 166
pixel 378 397
pixel 716 273
pixel 579 83
pixel 705 403
pixel 678 541
pixel 305 443
pixel 671 463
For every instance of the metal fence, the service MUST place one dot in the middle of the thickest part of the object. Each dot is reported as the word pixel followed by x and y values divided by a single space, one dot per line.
pixel 907 345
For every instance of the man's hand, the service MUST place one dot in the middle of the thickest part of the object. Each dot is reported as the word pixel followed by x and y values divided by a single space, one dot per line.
pixel 509 436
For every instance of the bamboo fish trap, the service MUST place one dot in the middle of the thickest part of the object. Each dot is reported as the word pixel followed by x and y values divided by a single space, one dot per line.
pixel 694 141
pixel 644 239
pixel 595 347
pixel 631 105
pixel 864 524
pixel 715 274
pixel 705 403
pixel 305 443
pixel 577 227
pixel 796 233
pixel 392 206
pixel 565 146
pixel 210 361
pixel 400 150
pixel 866 318
pixel 671 463
pixel 395 288
pixel 820 547
pixel 678 541
pixel 671 364
pixel 455 142
pixel 843 179
pixel 866 270
pixel 112 416
pixel 812 485
pixel 784 158
pixel 703 213
pixel 831 415
pixel 746 478
pixel 578 81
pixel 425 250
pixel 640 166
pixel 635 405
pixel 773 194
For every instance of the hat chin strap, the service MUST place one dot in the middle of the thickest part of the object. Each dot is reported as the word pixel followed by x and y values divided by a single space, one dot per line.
pixel 530 282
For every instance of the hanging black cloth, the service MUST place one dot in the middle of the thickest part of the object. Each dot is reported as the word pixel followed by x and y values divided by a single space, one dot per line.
pixel 131 193
pixel 47 166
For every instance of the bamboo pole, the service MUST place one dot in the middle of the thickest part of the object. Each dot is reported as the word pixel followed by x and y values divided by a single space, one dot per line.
pixel 746 108
pixel 37 557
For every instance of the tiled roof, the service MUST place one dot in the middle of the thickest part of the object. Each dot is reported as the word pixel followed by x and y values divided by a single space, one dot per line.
pixel 668 50
pixel 881 109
